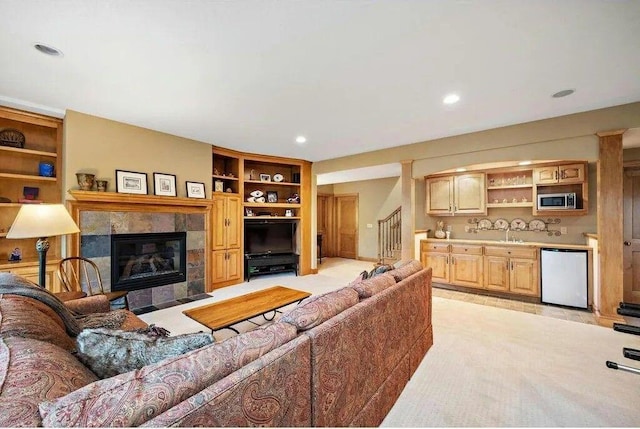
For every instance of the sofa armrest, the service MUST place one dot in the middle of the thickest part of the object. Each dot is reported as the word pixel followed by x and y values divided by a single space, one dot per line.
pixel 89 304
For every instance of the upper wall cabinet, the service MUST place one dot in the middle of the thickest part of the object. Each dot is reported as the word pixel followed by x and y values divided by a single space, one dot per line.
pixel 569 173
pixel 508 187
pixel 456 194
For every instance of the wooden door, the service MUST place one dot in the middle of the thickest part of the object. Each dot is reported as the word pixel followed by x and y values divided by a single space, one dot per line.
pixel 234 264
pixel 523 278
pixel 439 198
pixel 347 226
pixel 631 234
pixel 496 273
pixel 470 194
pixel 325 224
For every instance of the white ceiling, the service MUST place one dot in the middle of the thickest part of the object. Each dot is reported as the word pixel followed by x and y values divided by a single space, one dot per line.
pixel 352 76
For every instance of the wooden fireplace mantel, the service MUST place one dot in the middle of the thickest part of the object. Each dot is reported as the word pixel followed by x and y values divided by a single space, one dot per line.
pixel 134 199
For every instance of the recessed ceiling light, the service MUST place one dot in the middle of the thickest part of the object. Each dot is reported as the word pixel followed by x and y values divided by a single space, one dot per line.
pixel 451 99
pixel 524 163
pixel 563 93
pixel 301 139
pixel 48 50
pixel 460 170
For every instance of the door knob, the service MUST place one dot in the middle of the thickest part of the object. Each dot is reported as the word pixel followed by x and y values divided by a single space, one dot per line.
pixel 627 243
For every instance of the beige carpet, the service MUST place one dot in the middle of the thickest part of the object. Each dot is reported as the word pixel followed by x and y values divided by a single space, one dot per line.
pixel 496 367
pixel 488 367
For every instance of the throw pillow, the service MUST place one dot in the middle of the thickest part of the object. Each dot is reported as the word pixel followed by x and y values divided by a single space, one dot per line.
pixel 318 308
pixel 108 352
pixel 406 270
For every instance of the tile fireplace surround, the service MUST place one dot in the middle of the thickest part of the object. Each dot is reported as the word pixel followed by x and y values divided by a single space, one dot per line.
pixel 99 220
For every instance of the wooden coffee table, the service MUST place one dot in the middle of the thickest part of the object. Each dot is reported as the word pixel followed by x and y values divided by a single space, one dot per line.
pixel 224 314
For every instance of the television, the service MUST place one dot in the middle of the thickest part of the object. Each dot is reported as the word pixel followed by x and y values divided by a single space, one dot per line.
pixel 263 237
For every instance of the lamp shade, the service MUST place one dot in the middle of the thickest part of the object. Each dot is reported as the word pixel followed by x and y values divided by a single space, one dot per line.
pixel 42 220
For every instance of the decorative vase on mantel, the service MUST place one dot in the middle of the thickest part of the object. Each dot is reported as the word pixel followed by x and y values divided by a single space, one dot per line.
pixel 86 181
pixel 440 230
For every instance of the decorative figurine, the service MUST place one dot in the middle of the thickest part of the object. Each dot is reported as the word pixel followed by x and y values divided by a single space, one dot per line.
pixel 16 255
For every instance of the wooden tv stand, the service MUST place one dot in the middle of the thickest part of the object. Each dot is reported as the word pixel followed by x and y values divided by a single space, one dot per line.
pixel 256 265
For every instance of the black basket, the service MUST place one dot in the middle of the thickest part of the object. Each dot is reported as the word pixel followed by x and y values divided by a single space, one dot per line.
pixel 12 137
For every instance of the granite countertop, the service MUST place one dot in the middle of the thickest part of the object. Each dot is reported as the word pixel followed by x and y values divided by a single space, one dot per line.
pixel 503 243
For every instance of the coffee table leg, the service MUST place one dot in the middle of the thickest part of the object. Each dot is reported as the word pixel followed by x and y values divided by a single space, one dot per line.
pixel 269 319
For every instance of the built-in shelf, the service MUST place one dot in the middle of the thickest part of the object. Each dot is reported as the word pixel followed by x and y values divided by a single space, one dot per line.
pixel 511 187
pixel 28 151
pixel 503 205
pixel 217 176
pixel 30 177
pixel 271 183
pixel 278 205
pixel 272 217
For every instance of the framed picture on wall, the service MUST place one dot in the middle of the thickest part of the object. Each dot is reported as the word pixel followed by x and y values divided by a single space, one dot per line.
pixel 164 184
pixel 131 182
pixel 195 190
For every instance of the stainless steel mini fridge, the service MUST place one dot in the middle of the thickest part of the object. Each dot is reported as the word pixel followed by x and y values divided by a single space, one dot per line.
pixel 563 274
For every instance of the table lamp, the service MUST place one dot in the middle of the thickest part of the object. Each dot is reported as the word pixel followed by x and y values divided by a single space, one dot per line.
pixel 42 221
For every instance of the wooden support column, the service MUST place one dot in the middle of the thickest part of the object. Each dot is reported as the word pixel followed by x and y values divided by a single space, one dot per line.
pixel 610 227
pixel 408 210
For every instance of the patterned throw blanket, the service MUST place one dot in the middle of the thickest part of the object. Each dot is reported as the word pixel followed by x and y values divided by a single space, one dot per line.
pixel 12 284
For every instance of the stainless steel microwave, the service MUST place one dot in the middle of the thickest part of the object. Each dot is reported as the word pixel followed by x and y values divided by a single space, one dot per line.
pixel 564 201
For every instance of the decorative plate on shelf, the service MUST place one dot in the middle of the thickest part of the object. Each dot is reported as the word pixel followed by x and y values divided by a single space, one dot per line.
pixel 501 224
pixel 537 225
pixel 518 224
pixel 485 224
pixel 278 177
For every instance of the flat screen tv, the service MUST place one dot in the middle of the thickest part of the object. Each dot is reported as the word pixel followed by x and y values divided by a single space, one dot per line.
pixel 269 237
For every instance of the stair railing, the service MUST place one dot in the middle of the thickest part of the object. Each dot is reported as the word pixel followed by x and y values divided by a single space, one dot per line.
pixel 390 237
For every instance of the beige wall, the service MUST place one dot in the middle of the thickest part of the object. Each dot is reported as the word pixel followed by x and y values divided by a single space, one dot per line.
pixel 566 137
pixel 376 200
pixel 100 146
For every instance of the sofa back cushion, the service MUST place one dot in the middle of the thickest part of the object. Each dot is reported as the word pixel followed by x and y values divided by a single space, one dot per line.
pixel 318 308
pixel 25 317
pixel 33 371
pixel 132 398
pixel 369 287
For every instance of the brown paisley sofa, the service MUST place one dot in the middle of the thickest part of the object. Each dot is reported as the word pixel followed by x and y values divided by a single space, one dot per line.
pixel 337 359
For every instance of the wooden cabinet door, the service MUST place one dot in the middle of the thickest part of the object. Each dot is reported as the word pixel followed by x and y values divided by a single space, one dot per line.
pixel 545 175
pixel 571 173
pixel 523 277
pixel 218 217
pixel 466 270
pixel 234 264
pixel 226 229
pixel 496 273
pixel 219 266
pixel 234 227
pixel 470 194
pixel 439 264
pixel 52 283
pixel 439 199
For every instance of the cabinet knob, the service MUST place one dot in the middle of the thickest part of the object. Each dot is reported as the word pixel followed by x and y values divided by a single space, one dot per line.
pixel 627 243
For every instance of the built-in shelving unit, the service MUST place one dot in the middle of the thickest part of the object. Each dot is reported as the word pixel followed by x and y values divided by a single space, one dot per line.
pixel 20 168
pixel 267 188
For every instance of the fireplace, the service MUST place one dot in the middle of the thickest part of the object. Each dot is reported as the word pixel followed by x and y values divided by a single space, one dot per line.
pixel 140 261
